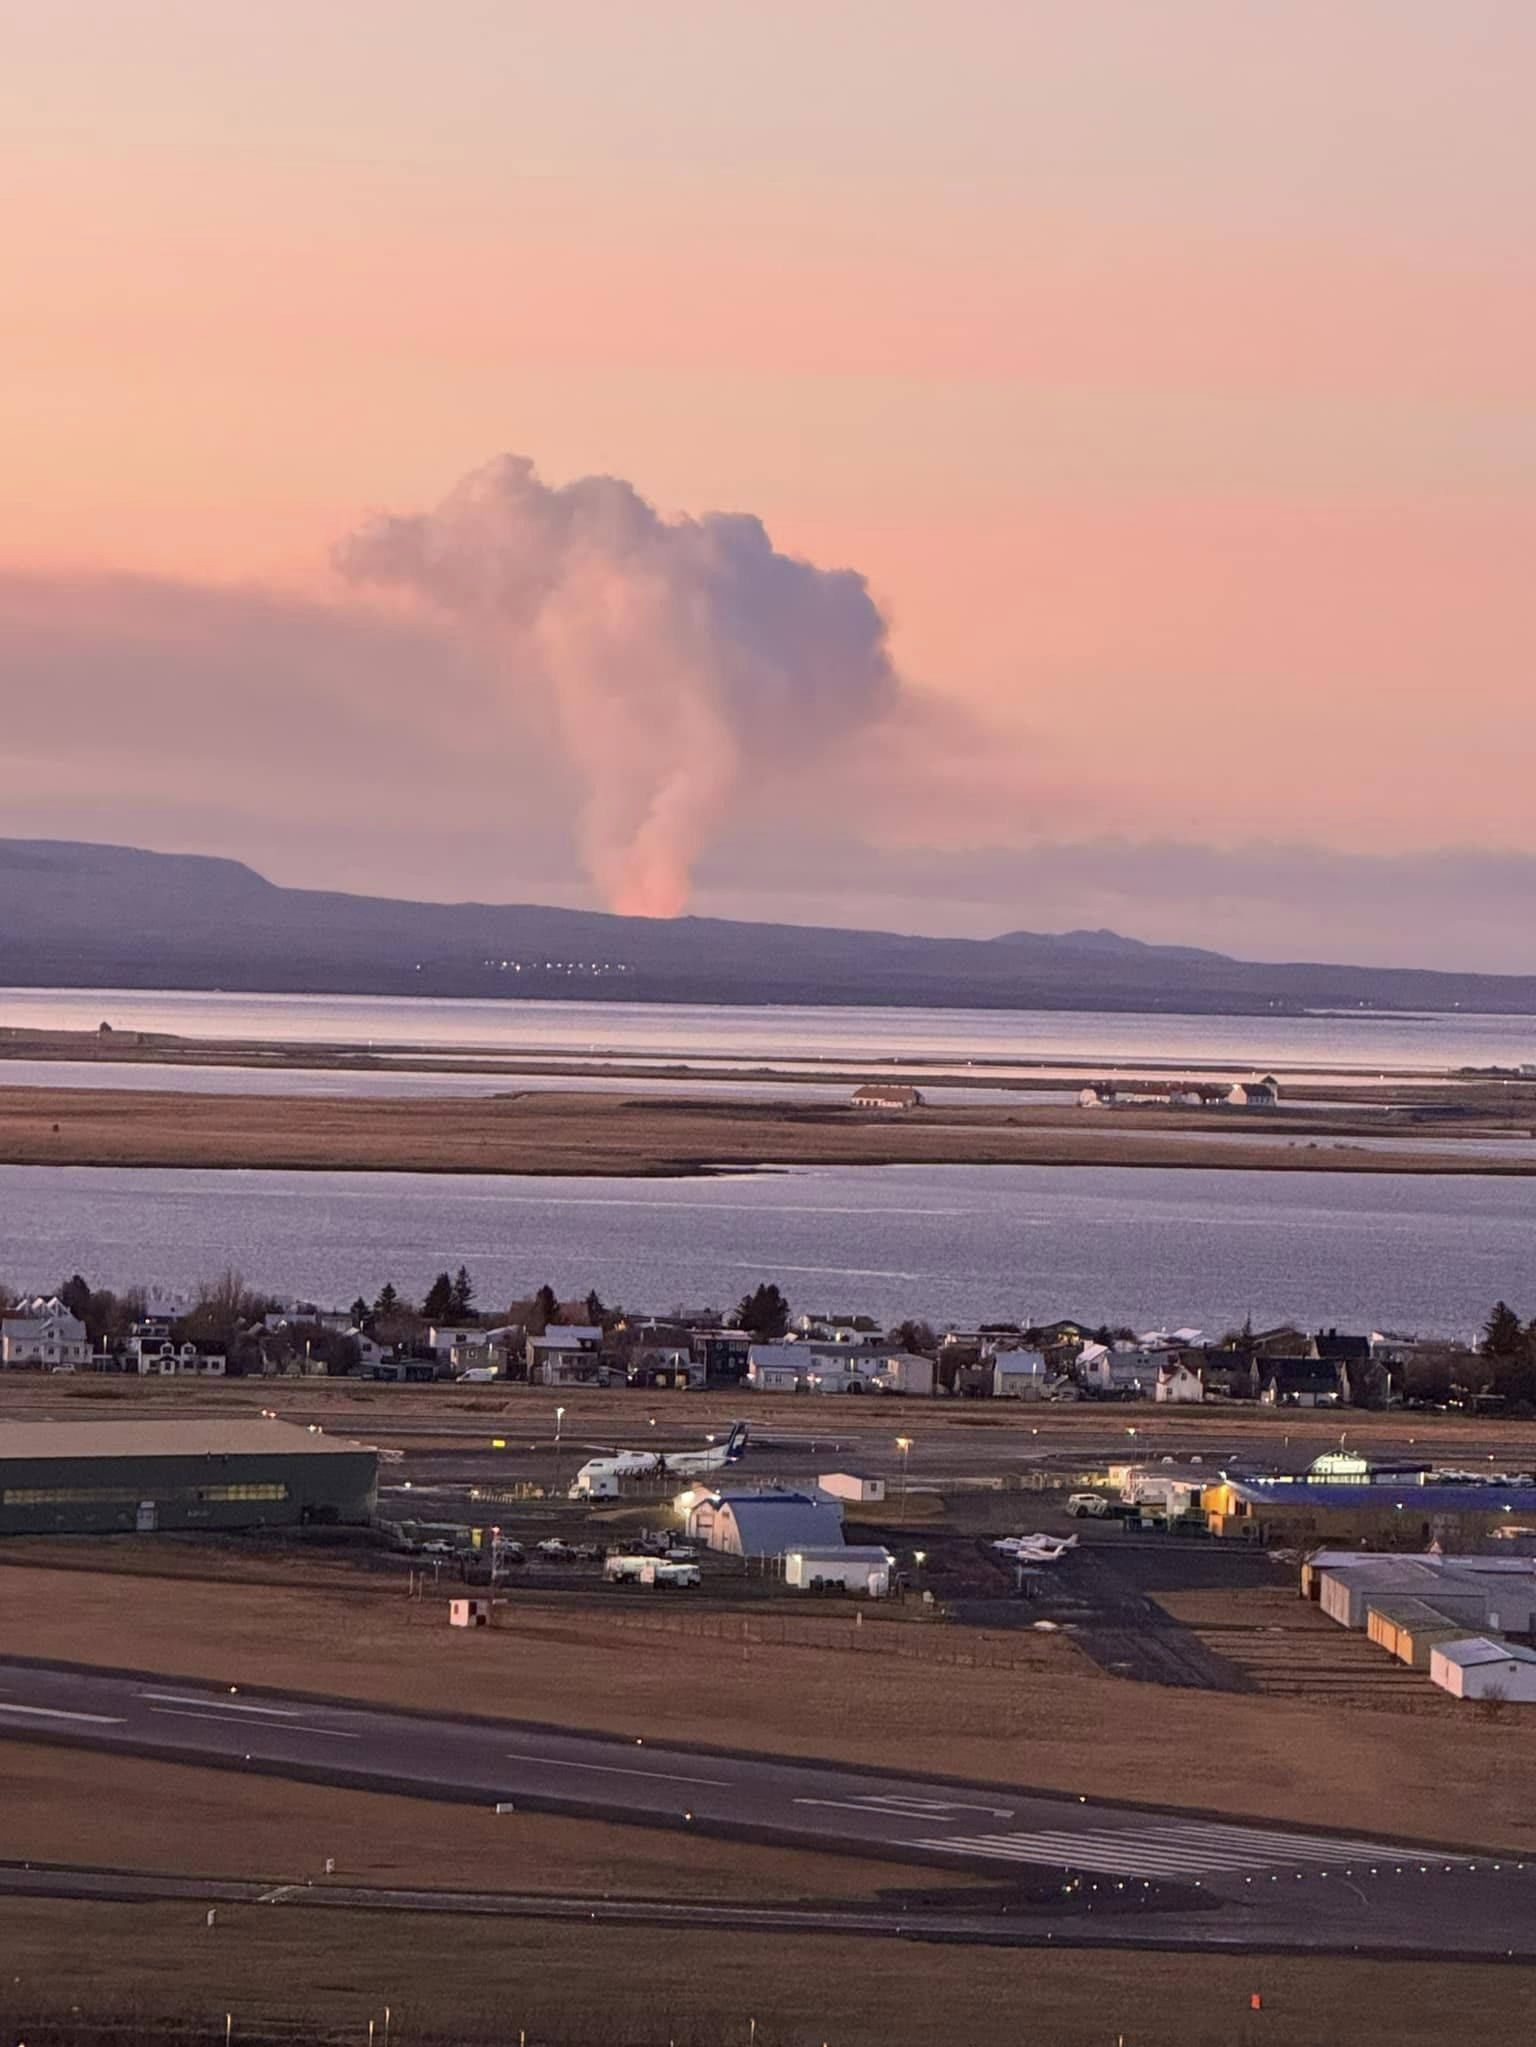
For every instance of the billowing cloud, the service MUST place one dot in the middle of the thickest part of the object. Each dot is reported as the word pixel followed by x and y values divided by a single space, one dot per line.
pixel 686 657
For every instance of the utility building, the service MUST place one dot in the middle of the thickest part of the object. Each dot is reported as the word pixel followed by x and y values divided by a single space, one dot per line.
pixel 105 1478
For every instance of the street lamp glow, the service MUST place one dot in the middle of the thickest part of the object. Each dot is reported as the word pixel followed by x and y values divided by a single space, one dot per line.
pixel 904 1445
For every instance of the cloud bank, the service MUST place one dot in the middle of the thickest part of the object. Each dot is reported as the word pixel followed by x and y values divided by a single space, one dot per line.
pixel 687 658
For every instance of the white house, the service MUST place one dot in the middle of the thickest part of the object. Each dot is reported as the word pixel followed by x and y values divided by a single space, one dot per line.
pixel 1124 1369
pixel 778 1367
pixel 1177 1383
pixel 906 1372
pixel 46 1335
pixel 1479 1668
pixel 566 1355
pixel 1019 1375
pixel 443 1341
pixel 166 1360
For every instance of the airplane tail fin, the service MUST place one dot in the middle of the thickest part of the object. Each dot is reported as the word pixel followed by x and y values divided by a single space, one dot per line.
pixel 736 1442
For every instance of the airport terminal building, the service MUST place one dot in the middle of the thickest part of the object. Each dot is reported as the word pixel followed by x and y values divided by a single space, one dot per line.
pixel 112 1478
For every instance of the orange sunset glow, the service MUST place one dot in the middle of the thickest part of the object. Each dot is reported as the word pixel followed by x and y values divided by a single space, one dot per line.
pixel 1160 379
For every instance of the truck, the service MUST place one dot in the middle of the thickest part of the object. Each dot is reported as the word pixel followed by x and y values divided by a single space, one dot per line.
pixel 636 1570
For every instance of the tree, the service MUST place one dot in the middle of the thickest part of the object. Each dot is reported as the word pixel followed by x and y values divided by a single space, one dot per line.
pixel 359 1312
pixel 312 1343
pixel 545 1309
pixel 438 1306
pixel 461 1299
pixel 596 1312
pixel 75 1294
pixel 1503 1337
pixel 764 1312
pixel 388 1301
pixel 917 1337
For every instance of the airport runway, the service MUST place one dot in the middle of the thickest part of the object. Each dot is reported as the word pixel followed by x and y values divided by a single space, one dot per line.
pixel 1180 1878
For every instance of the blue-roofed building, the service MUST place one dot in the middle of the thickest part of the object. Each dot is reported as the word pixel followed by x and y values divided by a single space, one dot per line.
pixel 766 1524
pixel 1396 1513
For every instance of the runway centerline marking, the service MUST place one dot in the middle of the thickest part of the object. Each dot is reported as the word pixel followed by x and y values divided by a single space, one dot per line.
pixel 615 1769
pixel 219 1705
pixel 278 1727
pixel 58 1713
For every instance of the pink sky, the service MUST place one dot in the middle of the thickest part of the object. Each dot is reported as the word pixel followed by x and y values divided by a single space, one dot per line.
pixel 1168 371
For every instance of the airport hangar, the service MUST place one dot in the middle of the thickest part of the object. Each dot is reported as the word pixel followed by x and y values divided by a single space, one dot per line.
pixel 111 1478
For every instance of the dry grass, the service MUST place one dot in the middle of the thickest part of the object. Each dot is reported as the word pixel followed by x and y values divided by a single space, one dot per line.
pixel 565 1133
pixel 449 1413
pixel 1061 1725
pixel 491 1980
pixel 73 1806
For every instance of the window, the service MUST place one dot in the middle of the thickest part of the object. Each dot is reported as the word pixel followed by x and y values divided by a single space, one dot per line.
pixel 130 1496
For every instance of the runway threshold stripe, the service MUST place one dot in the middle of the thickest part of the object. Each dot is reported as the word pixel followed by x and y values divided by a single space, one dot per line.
pixel 1060 1856
pixel 615 1770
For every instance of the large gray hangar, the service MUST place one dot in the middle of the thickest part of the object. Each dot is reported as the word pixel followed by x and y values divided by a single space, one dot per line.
pixel 107 1478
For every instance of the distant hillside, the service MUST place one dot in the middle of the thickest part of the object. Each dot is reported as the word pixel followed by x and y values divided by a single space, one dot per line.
pixel 110 916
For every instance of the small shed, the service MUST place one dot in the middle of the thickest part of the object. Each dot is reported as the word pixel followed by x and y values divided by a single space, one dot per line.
pixel 469 1613
pixel 862 1487
pixel 1478 1667
pixel 854 1568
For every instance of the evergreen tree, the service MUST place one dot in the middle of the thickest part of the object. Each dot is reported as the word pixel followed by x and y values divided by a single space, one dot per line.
pixel 1503 1336
pixel 438 1306
pixel 388 1302
pixel 461 1298
pixel 595 1309
pixel 359 1312
pixel 545 1308
pixel 75 1294
pixel 764 1312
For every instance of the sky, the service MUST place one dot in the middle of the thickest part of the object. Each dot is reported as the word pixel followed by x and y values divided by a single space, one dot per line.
pixel 1069 461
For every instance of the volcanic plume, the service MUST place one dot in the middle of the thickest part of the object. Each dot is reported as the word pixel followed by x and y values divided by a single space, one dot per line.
pixel 686 657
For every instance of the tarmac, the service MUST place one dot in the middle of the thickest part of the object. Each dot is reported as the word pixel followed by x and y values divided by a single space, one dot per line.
pixel 1073 1870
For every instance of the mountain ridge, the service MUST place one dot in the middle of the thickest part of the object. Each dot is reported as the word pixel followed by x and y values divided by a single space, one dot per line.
pixel 75 913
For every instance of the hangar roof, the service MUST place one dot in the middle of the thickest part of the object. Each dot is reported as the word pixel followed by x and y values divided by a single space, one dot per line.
pixel 243 1437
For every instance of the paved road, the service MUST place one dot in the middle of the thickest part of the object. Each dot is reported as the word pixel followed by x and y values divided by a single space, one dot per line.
pixel 1210 1881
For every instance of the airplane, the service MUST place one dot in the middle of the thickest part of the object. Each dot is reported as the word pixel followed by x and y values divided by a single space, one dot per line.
pixel 602 1474
pixel 1036 1549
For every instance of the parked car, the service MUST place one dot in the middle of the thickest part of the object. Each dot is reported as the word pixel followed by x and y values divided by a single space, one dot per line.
pixel 1093 1504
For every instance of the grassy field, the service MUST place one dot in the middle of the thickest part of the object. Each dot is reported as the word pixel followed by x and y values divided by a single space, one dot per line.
pixel 73 1806
pixel 565 1133
pixel 469 1980
pixel 1055 1723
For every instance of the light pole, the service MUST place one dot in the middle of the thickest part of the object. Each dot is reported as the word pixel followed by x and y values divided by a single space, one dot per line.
pixel 559 1418
pixel 904 1445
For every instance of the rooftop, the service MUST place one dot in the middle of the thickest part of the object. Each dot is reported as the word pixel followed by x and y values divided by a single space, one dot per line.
pixel 1475 1649
pixel 256 1437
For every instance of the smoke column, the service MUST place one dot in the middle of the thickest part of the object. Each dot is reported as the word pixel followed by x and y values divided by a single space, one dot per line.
pixel 686 657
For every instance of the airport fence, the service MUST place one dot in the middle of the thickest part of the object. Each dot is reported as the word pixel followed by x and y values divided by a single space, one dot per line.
pixel 912 1641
